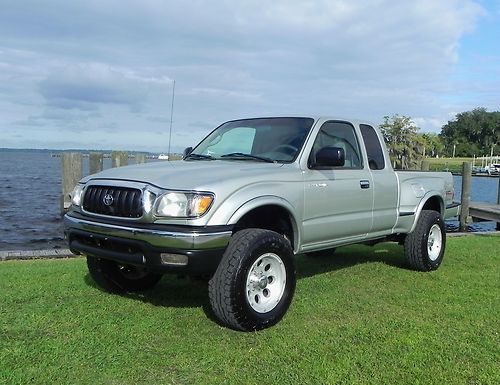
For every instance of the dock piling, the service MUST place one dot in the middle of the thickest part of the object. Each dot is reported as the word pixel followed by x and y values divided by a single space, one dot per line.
pixel 498 201
pixel 465 199
pixel 140 158
pixel 119 158
pixel 71 164
pixel 95 162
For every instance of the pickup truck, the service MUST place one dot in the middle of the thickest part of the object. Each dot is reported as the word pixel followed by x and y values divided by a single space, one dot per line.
pixel 250 196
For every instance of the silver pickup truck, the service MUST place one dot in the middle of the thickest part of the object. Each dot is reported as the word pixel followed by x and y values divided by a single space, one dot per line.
pixel 244 201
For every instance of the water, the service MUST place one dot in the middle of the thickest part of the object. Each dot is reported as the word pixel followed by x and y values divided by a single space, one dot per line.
pixel 29 201
pixel 30 189
pixel 483 189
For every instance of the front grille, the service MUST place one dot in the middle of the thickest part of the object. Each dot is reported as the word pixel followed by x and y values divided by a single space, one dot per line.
pixel 114 201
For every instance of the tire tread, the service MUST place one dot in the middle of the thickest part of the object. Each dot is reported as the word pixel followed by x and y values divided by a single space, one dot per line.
pixel 223 287
pixel 415 246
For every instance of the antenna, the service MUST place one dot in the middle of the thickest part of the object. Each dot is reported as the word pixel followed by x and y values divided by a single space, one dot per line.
pixel 171 117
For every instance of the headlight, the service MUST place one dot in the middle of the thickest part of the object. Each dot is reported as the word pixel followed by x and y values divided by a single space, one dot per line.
pixel 76 195
pixel 183 205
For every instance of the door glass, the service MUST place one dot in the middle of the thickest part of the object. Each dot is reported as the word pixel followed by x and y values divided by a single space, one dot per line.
pixel 340 134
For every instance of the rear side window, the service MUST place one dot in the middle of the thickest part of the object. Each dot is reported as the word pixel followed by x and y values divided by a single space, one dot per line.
pixel 374 150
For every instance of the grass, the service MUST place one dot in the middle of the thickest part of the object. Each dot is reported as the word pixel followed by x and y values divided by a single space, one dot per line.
pixel 450 164
pixel 358 317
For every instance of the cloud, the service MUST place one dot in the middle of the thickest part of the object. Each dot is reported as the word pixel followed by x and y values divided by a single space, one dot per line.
pixel 85 86
pixel 94 66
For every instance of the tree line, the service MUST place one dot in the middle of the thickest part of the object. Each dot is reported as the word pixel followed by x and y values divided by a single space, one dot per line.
pixel 471 133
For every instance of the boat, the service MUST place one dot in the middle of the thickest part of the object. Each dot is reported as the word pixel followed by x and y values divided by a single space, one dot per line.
pixel 163 157
pixel 493 169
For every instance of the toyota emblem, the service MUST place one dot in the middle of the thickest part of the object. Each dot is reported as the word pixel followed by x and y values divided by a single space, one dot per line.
pixel 108 199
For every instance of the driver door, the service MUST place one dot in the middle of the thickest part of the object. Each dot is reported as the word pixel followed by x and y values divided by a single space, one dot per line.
pixel 338 200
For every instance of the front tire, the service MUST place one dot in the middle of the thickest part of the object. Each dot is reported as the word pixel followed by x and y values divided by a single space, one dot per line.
pixel 424 247
pixel 254 282
pixel 116 278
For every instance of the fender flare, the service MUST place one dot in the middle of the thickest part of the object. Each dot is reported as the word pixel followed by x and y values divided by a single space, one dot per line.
pixel 268 200
pixel 428 195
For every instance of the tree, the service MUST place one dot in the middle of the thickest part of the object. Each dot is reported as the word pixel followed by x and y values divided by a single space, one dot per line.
pixel 433 144
pixel 402 139
pixel 472 132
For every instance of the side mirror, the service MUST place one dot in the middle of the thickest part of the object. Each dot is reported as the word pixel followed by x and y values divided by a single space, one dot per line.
pixel 187 151
pixel 329 157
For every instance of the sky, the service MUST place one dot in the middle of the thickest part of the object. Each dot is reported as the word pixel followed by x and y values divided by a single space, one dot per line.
pixel 100 74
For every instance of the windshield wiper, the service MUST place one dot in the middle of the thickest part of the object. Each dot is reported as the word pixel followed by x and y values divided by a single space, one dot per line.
pixel 199 156
pixel 241 155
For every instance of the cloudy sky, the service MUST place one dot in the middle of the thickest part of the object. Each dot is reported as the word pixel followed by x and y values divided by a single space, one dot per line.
pixel 99 74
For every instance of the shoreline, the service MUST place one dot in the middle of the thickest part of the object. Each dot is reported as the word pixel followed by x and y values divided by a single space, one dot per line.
pixel 36 254
pixel 66 253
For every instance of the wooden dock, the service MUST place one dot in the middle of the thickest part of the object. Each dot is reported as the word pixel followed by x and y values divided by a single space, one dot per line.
pixel 485 211
pixel 474 211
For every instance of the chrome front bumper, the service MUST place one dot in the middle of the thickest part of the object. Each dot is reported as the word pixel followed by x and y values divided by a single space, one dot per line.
pixel 189 239
pixel 159 248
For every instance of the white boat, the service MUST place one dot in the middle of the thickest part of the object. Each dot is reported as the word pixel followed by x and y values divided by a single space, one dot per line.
pixel 163 156
pixel 493 169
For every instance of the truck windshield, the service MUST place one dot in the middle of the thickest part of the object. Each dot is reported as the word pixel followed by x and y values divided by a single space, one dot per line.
pixel 266 139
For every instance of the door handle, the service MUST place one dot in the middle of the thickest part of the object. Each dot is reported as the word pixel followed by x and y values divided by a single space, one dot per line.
pixel 364 184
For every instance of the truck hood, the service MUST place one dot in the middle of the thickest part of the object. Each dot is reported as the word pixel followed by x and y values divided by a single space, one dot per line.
pixel 188 175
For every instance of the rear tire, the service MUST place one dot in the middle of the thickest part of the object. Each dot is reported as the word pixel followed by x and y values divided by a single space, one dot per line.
pixel 117 278
pixel 424 247
pixel 254 282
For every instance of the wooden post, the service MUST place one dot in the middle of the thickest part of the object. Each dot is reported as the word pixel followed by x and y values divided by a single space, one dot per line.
pixel 498 201
pixel 95 162
pixel 425 165
pixel 466 185
pixel 140 158
pixel 119 158
pixel 71 165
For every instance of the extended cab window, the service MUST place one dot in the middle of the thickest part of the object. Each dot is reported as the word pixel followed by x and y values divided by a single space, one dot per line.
pixel 340 134
pixel 374 150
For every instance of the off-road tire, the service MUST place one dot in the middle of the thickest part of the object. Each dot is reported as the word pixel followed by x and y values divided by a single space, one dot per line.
pixel 116 278
pixel 424 247
pixel 233 285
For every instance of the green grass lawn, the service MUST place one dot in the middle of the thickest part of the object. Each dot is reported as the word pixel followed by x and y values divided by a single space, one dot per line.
pixel 358 317
pixel 450 164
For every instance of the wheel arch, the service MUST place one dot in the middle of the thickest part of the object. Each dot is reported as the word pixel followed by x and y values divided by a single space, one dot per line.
pixel 269 213
pixel 432 201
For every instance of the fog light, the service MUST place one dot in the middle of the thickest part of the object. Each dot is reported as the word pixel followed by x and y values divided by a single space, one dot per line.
pixel 174 259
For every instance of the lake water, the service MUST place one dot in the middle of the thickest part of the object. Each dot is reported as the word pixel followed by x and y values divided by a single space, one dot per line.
pixel 30 189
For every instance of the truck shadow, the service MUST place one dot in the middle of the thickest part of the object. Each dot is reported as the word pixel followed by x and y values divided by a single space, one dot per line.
pixel 171 291
pixel 388 253
pixel 180 291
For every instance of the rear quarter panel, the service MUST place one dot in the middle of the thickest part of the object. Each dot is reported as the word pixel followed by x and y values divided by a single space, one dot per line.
pixel 416 188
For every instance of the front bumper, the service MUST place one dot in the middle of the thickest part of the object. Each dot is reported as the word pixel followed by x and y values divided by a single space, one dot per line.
pixel 198 249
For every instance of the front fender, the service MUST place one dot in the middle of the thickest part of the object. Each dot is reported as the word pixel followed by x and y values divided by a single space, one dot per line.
pixel 231 216
pixel 259 202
